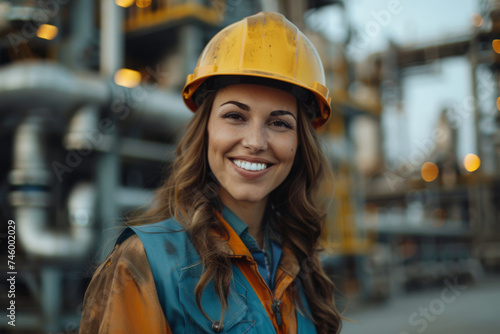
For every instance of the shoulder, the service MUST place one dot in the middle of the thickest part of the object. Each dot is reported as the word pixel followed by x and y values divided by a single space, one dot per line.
pixel 126 259
pixel 166 232
pixel 165 242
pixel 165 226
pixel 125 267
pixel 161 229
pixel 121 289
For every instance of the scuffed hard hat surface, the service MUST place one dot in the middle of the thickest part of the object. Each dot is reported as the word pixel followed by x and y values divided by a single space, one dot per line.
pixel 266 44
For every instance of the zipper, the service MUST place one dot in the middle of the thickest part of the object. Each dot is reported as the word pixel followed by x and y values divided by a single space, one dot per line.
pixel 276 306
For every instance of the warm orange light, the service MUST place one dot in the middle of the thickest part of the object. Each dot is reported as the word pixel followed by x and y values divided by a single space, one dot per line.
pixel 498 103
pixel 471 162
pixel 143 3
pixel 429 171
pixel 127 78
pixel 124 3
pixel 47 31
pixel 496 45
pixel 477 20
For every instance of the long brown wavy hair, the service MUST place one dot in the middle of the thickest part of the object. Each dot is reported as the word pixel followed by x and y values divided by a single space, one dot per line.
pixel 190 195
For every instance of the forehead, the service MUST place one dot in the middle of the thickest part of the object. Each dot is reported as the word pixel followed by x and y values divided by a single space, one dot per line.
pixel 257 96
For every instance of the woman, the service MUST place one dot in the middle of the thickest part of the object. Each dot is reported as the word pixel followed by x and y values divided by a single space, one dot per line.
pixel 230 243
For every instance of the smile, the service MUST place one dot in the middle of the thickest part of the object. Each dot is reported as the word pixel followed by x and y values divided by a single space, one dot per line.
pixel 250 166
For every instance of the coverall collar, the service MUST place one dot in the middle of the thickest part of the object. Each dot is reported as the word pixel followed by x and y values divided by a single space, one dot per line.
pixel 236 248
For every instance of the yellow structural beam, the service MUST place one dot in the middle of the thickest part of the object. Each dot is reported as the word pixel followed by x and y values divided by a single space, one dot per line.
pixel 143 18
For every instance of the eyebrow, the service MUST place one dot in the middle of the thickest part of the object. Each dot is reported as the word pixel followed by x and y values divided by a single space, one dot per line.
pixel 238 104
pixel 282 112
pixel 245 107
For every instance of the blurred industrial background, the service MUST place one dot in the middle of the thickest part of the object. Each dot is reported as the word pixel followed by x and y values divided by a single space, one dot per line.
pixel 91 110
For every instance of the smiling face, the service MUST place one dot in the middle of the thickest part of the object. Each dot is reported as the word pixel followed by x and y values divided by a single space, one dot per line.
pixel 252 141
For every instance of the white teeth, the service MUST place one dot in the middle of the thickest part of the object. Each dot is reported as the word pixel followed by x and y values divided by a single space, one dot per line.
pixel 250 165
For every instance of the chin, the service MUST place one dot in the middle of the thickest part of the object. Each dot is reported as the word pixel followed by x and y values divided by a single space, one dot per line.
pixel 248 196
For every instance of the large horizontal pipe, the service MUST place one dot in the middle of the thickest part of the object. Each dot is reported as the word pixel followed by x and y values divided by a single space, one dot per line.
pixel 42 85
pixel 31 85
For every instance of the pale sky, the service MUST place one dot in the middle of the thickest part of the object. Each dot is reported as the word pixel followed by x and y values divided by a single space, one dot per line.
pixel 412 23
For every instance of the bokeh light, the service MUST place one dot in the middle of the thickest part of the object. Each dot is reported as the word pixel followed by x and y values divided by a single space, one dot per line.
pixel 124 3
pixel 143 3
pixel 477 20
pixel 47 31
pixel 429 171
pixel 496 45
pixel 471 162
pixel 127 78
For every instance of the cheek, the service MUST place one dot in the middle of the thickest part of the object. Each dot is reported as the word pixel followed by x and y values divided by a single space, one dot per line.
pixel 212 144
pixel 289 149
pixel 213 149
pixel 220 142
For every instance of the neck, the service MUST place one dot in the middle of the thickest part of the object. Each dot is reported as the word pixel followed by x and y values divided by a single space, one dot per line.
pixel 251 213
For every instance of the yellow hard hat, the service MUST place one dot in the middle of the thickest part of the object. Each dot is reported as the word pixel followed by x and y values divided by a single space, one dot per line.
pixel 264 48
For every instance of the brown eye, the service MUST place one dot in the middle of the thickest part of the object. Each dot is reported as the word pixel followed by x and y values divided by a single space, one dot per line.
pixel 281 123
pixel 233 115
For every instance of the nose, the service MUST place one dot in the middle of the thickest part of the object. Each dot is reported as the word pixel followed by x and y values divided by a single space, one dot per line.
pixel 255 138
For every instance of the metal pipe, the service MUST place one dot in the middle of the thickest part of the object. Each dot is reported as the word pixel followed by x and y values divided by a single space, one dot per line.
pixel 77 51
pixel 83 134
pixel 29 166
pixel 146 150
pixel 83 129
pixel 51 279
pixel 36 237
pixel 270 5
pixel 32 198
pixel 164 108
pixel 111 37
pixel 31 85
pixel 108 163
